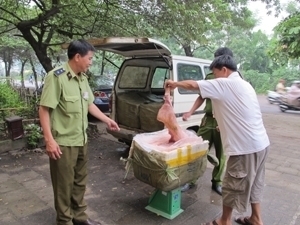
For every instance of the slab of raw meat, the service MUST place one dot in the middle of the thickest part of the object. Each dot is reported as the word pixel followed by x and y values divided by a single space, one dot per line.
pixel 167 116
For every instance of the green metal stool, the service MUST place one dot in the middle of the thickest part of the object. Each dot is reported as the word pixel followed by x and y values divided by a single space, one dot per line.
pixel 165 203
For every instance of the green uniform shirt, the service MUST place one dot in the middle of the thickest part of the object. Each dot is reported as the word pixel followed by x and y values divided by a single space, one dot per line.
pixel 208 104
pixel 68 97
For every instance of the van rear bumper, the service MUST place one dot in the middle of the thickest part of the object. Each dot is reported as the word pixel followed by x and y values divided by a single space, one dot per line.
pixel 126 134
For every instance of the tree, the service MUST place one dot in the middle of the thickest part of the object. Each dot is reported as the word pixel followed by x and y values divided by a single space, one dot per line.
pixel 47 24
pixel 192 23
pixel 288 34
pixel 7 53
pixel 286 42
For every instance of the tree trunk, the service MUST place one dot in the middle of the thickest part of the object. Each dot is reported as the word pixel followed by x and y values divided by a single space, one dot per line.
pixel 39 48
pixel 7 59
pixel 22 73
pixel 7 69
pixel 34 73
pixel 188 50
pixel 102 64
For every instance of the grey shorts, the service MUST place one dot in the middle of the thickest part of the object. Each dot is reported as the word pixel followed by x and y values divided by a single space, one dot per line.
pixel 244 180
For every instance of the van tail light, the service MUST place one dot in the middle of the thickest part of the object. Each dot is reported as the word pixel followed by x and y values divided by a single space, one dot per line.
pixel 100 94
pixel 103 95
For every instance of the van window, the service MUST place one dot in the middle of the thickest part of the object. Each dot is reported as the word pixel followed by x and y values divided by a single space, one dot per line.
pixel 159 77
pixel 207 70
pixel 134 77
pixel 189 72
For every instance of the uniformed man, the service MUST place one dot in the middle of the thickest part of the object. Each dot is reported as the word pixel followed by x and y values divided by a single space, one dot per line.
pixel 65 102
pixel 209 130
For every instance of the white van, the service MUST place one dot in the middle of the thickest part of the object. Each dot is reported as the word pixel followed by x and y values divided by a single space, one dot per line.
pixel 138 90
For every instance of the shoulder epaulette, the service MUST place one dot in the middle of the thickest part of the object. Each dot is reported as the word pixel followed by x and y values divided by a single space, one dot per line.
pixel 209 76
pixel 85 75
pixel 59 71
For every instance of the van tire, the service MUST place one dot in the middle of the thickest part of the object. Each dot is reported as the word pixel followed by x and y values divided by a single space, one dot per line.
pixel 125 142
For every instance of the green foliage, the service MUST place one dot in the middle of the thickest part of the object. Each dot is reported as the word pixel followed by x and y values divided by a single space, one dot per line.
pixel 31 109
pixel 195 28
pixel 288 36
pixel 262 82
pixel 274 52
pixel 289 74
pixel 33 135
pixel 91 79
pixel 47 24
pixel 259 81
pixel 102 63
pixel 192 24
pixel 9 98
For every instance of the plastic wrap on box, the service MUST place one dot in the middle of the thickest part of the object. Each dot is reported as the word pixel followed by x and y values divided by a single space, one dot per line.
pixel 128 109
pixel 167 167
pixel 148 114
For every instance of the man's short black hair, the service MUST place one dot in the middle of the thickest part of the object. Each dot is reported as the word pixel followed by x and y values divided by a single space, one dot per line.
pixel 223 61
pixel 81 47
pixel 223 51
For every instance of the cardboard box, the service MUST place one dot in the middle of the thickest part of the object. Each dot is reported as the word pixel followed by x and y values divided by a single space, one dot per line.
pixel 167 171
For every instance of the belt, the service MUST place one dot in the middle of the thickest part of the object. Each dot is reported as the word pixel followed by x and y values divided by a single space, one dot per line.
pixel 209 115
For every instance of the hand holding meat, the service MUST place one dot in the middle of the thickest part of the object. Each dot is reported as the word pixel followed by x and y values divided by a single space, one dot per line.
pixel 170 84
pixel 167 116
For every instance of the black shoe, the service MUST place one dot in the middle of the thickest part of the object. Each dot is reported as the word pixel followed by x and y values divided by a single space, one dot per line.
pixel 217 188
pixel 87 222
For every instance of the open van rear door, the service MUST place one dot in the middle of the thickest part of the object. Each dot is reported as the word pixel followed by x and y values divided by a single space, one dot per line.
pixel 129 46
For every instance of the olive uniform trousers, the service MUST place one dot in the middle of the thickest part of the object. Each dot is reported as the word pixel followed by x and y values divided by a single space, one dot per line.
pixel 208 131
pixel 69 178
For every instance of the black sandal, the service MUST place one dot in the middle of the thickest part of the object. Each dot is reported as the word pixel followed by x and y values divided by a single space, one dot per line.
pixel 243 221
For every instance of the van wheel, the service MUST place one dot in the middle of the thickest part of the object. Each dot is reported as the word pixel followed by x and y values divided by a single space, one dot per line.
pixel 125 142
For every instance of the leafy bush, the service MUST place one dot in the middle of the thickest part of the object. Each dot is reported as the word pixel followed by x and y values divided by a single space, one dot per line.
pixel 33 135
pixel 260 81
pixel 265 81
pixel 9 98
pixel 31 110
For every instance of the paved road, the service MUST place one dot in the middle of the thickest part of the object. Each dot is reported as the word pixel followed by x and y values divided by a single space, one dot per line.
pixel 266 107
pixel 26 194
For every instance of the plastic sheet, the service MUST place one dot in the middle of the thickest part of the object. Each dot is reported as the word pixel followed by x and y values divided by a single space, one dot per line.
pixel 164 165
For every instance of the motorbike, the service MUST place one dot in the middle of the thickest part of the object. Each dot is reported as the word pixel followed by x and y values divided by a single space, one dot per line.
pixel 273 97
pixel 291 100
pixel 285 106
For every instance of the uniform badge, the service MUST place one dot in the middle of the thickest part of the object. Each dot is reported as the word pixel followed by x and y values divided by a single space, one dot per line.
pixel 59 71
pixel 85 95
pixel 69 75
